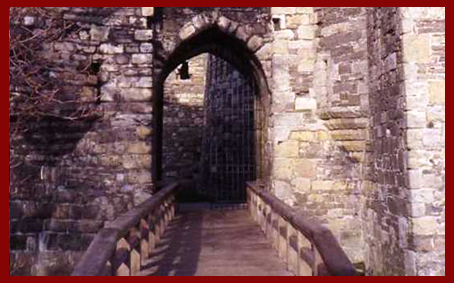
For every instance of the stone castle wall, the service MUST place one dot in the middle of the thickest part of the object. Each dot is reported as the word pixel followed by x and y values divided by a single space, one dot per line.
pixel 184 121
pixel 320 115
pixel 81 174
pixel 352 125
pixel 423 40
pixel 385 191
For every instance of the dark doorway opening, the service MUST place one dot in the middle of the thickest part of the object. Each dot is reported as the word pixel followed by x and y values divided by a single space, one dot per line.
pixel 229 141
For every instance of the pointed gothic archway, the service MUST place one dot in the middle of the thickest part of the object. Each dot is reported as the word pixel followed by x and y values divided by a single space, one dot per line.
pixel 221 40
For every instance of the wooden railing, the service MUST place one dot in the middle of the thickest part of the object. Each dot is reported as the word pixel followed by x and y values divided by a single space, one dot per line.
pixel 122 247
pixel 308 248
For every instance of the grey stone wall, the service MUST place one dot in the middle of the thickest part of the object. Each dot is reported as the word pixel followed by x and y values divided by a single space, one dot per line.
pixel 386 197
pixel 319 115
pixel 184 121
pixel 79 174
pixel 406 51
pixel 423 39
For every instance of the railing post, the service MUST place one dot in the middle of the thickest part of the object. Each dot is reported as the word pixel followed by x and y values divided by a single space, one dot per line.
pixel 318 261
pixel 159 222
pixel 269 223
pixel 121 258
pixel 157 227
pixel 282 239
pixel 152 236
pixel 108 271
pixel 134 242
pixel 304 246
pixel 257 210
pixel 265 211
pixel 292 249
pixel 166 212
pixel 144 240
pixel 275 234
pixel 172 207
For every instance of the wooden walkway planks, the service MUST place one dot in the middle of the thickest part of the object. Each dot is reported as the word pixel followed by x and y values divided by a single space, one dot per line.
pixel 214 243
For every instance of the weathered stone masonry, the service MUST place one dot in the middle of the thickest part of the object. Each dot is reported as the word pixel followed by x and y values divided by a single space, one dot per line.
pixel 351 127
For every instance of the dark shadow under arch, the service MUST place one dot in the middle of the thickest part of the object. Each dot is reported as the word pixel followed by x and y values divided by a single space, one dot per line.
pixel 214 41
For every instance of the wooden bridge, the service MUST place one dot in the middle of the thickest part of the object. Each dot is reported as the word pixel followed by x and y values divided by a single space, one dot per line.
pixel 264 237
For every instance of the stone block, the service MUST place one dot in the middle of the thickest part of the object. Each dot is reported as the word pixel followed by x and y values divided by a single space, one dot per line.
pixel 283 10
pixel 294 21
pixel 146 47
pixel 349 135
pixel 417 209
pixel 301 184
pixel 414 138
pixel 99 33
pixel 108 48
pixel 140 177
pixel 322 185
pixel 255 43
pixel 62 211
pixel 143 35
pixel 436 114
pixel 121 59
pixel 265 52
pixel 284 35
pixel 147 11
pixel 306 32
pixel 139 148
pixel 88 94
pixel 304 10
pixel 415 178
pixel 425 226
pixel 322 136
pixel 283 169
pixel 284 192
pixel 305 136
pixel 224 23
pixel 347 123
pixel 306 65
pixel 136 94
pixel 142 59
pixel 416 48
pixel 437 92
pixel 353 146
pixel 187 31
pixel 287 149
pixel 137 161
pixel 305 168
pixel 432 138
pixel 423 196
pixel 305 104
pixel 280 47
pixel 143 132
pixel 243 33
pixel 289 119
pixel 65 46
pixel 340 185
pixel 109 160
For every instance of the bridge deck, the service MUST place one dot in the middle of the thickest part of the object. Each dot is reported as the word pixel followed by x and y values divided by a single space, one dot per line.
pixel 214 243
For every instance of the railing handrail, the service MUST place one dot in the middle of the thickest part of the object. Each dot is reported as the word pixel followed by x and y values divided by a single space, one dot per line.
pixel 101 249
pixel 334 257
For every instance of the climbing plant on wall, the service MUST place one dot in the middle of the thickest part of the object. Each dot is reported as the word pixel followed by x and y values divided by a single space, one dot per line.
pixel 43 85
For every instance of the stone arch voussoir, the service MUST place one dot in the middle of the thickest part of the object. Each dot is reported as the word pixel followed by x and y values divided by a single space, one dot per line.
pixel 204 21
